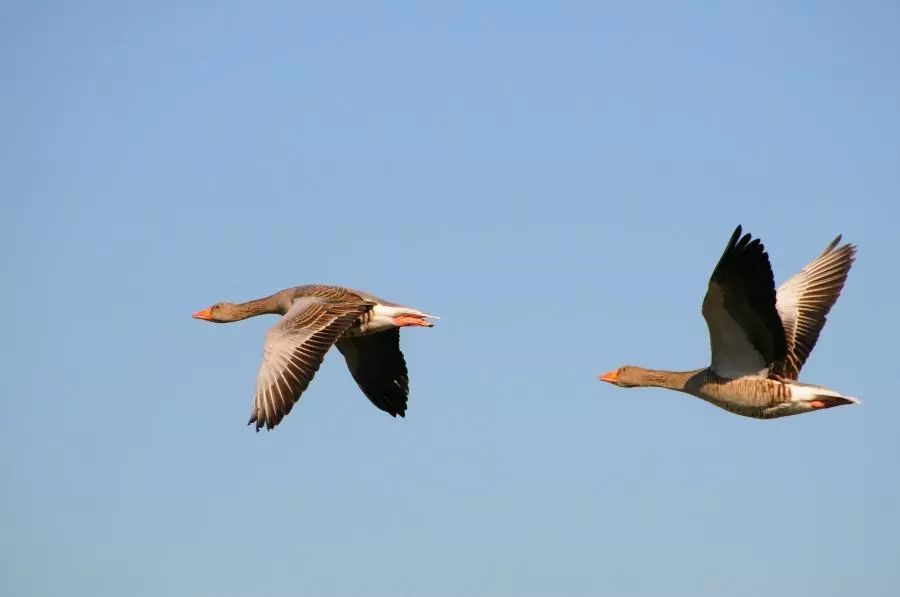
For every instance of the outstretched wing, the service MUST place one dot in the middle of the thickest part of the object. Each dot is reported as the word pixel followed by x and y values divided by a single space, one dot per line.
pixel 745 332
pixel 293 352
pixel 804 301
pixel 378 366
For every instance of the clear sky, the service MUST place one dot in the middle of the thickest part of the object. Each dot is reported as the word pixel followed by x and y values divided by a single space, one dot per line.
pixel 555 180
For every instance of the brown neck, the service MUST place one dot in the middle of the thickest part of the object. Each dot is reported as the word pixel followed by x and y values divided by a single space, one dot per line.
pixel 233 312
pixel 673 380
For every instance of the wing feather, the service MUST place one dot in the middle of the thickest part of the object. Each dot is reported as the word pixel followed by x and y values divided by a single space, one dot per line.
pixel 294 350
pixel 377 364
pixel 745 331
pixel 804 300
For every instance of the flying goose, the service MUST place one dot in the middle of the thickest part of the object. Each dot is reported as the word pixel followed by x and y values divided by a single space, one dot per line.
pixel 364 328
pixel 760 338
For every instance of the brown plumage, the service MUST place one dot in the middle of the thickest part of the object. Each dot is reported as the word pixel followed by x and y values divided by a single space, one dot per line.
pixel 760 338
pixel 805 300
pixel 315 317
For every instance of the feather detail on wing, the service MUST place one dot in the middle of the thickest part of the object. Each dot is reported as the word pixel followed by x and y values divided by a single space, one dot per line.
pixel 294 350
pixel 378 366
pixel 745 331
pixel 805 299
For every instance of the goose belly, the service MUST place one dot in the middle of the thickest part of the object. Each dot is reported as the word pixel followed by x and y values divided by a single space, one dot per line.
pixel 758 398
pixel 767 398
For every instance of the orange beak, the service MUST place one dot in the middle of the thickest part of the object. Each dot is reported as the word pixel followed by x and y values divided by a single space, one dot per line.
pixel 610 376
pixel 205 314
pixel 406 320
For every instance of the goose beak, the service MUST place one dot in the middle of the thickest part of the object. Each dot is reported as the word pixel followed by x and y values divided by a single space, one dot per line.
pixel 205 314
pixel 609 377
pixel 412 319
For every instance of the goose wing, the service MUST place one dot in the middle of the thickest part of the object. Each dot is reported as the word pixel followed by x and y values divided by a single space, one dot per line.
pixel 377 364
pixel 294 350
pixel 804 300
pixel 745 332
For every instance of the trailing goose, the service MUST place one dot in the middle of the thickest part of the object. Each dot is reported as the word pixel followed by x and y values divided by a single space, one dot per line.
pixel 760 338
pixel 365 329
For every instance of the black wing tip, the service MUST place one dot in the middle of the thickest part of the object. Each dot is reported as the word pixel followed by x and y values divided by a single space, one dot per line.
pixel 395 408
pixel 740 240
pixel 833 245
pixel 734 237
pixel 745 243
pixel 393 405
pixel 849 247
pixel 848 250
pixel 260 423
pixel 740 246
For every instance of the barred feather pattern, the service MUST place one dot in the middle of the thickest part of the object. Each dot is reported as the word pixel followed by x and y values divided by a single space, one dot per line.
pixel 294 350
pixel 804 301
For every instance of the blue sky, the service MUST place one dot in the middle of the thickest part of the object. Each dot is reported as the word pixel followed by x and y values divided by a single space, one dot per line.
pixel 555 180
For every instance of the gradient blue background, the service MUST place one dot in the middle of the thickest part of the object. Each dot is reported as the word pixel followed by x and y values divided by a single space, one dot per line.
pixel 555 180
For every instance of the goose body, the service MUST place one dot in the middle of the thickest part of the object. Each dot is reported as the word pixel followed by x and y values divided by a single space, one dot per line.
pixel 365 329
pixel 759 337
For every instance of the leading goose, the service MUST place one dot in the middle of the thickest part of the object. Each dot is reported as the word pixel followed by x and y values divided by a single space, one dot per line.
pixel 364 328
pixel 760 338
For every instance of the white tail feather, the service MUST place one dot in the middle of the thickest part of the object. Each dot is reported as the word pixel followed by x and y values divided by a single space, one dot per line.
pixel 803 392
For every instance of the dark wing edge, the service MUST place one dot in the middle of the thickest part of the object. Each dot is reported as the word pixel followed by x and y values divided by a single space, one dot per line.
pixel 377 365
pixel 743 279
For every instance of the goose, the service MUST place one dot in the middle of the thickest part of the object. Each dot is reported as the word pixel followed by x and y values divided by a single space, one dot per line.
pixel 365 329
pixel 759 338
